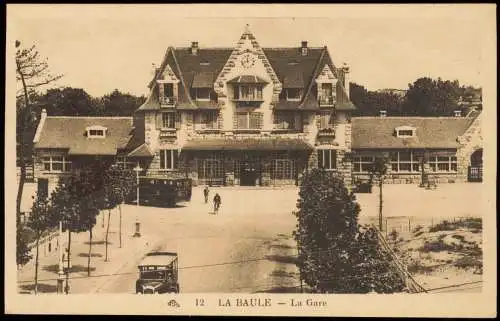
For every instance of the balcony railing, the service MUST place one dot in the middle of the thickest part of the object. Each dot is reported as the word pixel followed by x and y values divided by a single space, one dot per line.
pixel 168 132
pixel 326 131
pixel 325 100
pixel 208 127
pixel 168 101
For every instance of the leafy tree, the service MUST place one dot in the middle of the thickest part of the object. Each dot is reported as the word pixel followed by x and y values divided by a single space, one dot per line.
pixel 39 221
pixel 110 197
pixel 428 97
pixel 121 104
pixel 74 207
pixel 336 255
pixel 90 184
pixel 370 103
pixel 32 73
pixel 122 182
pixel 70 101
pixel 23 254
pixel 327 225
pixel 378 170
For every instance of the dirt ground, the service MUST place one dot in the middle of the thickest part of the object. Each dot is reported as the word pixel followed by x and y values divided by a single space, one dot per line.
pixel 248 246
pixel 444 255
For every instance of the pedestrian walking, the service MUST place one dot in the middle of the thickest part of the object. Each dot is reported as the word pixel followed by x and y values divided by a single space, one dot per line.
pixel 206 191
pixel 217 202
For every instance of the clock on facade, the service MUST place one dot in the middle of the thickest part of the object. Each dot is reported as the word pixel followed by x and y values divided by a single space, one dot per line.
pixel 247 61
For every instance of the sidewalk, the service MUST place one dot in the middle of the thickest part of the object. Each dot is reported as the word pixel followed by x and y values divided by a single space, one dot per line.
pixel 131 251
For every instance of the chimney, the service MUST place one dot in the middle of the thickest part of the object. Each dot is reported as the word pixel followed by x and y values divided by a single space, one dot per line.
pixel 194 48
pixel 303 48
pixel 383 113
pixel 43 117
pixel 458 113
pixel 345 79
pixel 154 69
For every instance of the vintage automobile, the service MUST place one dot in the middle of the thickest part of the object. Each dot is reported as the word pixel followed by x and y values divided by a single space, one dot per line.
pixel 161 191
pixel 158 273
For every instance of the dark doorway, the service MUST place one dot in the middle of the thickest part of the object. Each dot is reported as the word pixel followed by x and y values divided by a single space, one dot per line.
pixel 248 174
pixel 475 171
pixel 43 187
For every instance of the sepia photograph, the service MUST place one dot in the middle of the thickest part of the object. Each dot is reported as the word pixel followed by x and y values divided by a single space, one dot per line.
pixel 251 159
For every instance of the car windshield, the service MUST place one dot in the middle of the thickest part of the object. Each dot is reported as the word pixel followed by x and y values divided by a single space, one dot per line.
pixel 153 275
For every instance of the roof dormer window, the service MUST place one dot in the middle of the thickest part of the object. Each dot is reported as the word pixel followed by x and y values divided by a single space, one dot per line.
pixel 405 132
pixel 96 131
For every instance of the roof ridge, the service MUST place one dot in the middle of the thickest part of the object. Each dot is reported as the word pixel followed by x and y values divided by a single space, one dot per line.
pixel 314 75
pixel 231 48
pixel 408 117
pixel 93 117
pixel 181 76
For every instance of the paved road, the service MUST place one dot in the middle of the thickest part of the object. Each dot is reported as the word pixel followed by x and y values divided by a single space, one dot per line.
pixel 242 249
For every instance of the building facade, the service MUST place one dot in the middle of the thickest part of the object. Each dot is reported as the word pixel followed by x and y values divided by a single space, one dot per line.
pixel 222 116
pixel 446 149
pixel 253 116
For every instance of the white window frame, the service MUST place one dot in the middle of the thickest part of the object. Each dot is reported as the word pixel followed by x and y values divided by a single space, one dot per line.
pixel 434 163
pixel 173 155
pixel 332 162
pixel 164 121
pixel 358 162
pixel 413 160
pixel 405 129
pixel 255 90
pixel 100 129
pixel 50 160
pixel 124 162
pixel 299 90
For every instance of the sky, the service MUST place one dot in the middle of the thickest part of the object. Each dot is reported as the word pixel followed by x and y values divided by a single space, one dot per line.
pixel 103 47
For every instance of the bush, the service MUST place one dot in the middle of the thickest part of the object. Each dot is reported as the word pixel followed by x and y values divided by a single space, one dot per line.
pixel 335 255
pixel 468 262
pixel 471 223
pixel 417 268
pixel 393 235
pixel 418 228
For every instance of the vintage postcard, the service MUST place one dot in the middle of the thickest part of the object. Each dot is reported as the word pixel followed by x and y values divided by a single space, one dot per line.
pixel 293 160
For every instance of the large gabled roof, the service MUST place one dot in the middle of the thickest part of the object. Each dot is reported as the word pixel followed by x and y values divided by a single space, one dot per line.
pixel 69 133
pixel 431 132
pixel 289 65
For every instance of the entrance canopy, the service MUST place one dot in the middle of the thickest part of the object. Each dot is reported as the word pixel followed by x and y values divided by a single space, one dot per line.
pixel 248 144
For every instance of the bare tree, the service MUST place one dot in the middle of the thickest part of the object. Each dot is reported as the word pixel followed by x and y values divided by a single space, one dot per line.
pixel 32 72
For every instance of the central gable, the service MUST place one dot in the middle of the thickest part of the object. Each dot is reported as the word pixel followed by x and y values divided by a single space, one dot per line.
pixel 246 59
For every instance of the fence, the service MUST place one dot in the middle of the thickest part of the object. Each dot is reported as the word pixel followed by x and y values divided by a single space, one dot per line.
pixel 30 175
pixel 47 245
pixel 400 268
pixel 408 224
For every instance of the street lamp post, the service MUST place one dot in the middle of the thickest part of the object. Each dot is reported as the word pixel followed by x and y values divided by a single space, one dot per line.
pixel 137 233
pixel 60 274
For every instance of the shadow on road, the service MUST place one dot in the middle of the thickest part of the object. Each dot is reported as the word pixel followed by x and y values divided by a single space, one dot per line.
pixel 54 268
pixel 42 287
pixel 287 259
pixel 91 255
pixel 281 246
pixel 282 274
pixel 98 243
pixel 282 289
